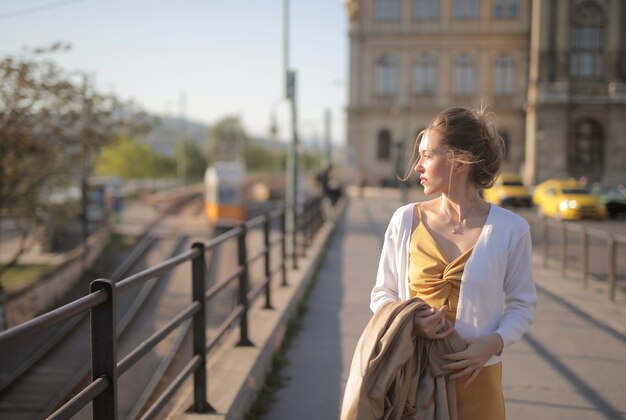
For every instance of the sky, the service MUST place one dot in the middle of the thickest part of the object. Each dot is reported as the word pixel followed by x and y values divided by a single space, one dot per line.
pixel 205 59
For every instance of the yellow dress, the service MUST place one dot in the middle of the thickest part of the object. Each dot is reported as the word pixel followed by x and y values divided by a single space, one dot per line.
pixel 437 282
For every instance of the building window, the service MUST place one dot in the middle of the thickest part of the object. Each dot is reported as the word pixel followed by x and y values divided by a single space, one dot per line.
pixel 504 76
pixel 587 51
pixel 387 9
pixel 386 76
pixel 425 75
pixel 465 9
pixel 426 9
pixel 464 76
pixel 505 9
pixel 585 150
pixel 383 146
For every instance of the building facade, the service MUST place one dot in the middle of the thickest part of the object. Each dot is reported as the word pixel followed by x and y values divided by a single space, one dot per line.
pixel 409 59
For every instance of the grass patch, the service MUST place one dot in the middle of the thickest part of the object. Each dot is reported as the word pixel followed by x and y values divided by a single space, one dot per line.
pixel 276 380
pixel 19 275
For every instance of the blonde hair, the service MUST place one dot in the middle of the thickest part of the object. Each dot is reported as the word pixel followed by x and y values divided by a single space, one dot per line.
pixel 470 137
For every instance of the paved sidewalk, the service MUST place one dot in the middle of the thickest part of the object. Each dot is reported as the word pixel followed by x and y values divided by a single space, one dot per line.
pixel 571 364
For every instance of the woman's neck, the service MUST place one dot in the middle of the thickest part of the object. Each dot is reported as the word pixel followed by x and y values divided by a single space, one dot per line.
pixel 460 205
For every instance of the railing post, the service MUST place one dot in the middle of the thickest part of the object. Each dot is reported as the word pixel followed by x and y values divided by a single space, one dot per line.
pixel 563 247
pixel 268 261
pixel 294 239
pixel 283 248
pixel 545 239
pixel 243 286
pixel 306 225
pixel 584 257
pixel 104 350
pixel 198 271
pixel 319 214
pixel 612 262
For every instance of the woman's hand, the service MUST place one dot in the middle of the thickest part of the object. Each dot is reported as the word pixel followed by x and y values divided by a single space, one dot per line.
pixel 431 323
pixel 471 360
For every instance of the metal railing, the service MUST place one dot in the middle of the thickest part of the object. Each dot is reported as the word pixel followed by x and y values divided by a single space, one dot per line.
pixel 101 302
pixel 581 245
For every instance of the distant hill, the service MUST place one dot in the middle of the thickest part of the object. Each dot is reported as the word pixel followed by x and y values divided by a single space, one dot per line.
pixel 164 136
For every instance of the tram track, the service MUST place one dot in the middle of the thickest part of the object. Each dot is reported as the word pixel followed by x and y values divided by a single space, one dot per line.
pixel 64 368
pixel 53 370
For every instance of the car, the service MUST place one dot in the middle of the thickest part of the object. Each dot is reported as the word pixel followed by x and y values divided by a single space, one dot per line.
pixel 567 199
pixel 508 190
pixel 613 197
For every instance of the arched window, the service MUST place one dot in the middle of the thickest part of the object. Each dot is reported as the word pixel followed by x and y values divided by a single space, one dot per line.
pixel 426 9
pixel 387 9
pixel 465 9
pixel 387 75
pixel 587 43
pixel 504 76
pixel 464 76
pixel 425 81
pixel 383 146
pixel 586 149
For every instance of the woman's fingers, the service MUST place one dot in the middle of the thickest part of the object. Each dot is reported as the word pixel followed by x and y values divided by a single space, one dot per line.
pixel 472 378
pixel 431 323
pixel 462 373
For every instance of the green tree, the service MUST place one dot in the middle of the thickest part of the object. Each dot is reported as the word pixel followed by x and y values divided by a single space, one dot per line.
pixel 192 159
pixel 52 124
pixel 261 159
pixel 39 111
pixel 226 139
pixel 131 159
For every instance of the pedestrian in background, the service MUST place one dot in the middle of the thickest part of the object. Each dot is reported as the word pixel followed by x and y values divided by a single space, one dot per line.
pixel 469 260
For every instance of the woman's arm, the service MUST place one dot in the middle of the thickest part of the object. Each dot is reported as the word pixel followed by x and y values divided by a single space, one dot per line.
pixel 519 307
pixel 386 288
pixel 520 296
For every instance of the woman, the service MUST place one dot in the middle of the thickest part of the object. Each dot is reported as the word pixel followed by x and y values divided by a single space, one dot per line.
pixel 469 260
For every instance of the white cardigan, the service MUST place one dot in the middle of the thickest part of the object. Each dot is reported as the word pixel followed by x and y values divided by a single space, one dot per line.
pixel 497 287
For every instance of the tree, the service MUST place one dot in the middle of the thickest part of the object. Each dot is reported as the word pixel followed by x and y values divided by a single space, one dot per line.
pixel 36 102
pixel 226 139
pixel 52 125
pixel 130 159
pixel 194 162
pixel 261 159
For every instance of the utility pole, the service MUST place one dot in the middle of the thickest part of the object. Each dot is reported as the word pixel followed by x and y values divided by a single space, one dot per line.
pixel 182 134
pixel 291 193
pixel 85 161
pixel 327 143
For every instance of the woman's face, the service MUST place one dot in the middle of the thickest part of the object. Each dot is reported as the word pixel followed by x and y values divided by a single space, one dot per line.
pixel 433 166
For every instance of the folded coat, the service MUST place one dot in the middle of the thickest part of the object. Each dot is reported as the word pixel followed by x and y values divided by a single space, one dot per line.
pixel 396 375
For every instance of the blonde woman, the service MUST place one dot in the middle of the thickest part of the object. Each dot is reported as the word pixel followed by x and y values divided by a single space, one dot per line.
pixel 468 259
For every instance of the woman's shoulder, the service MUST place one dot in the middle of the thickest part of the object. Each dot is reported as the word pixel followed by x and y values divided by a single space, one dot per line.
pixel 407 210
pixel 504 218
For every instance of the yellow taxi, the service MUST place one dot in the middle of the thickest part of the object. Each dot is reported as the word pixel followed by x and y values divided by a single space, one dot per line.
pixel 508 190
pixel 567 199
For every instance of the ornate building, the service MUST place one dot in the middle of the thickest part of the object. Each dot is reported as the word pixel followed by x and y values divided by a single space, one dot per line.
pixel 552 71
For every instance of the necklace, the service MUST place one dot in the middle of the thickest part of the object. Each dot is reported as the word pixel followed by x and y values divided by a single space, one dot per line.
pixel 458 228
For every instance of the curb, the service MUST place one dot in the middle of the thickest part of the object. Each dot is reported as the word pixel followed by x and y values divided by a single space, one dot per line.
pixel 236 375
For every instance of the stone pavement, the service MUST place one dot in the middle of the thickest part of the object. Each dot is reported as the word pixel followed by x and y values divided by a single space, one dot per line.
pixel 571 364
